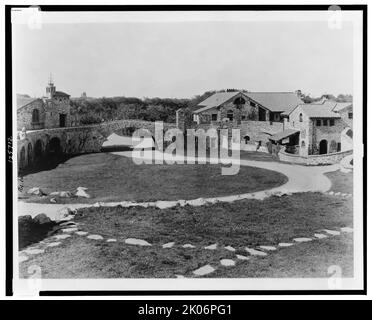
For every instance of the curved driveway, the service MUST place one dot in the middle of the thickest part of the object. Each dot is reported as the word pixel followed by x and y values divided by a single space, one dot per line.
pixel 300 179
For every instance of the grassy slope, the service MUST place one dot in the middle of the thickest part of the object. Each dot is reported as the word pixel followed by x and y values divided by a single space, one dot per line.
pixel 111 177
pixel 341 182
pixel 240 224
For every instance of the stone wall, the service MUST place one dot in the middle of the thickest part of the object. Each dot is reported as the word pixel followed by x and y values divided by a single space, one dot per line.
pixel 24 116
pixel 76 140
pixel 344 113
pixel 314 160
pixel 53 109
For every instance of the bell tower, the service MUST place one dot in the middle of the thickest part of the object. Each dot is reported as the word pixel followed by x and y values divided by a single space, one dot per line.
pixel 50 89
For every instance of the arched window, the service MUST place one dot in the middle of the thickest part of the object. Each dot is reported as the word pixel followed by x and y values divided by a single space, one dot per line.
pixel 300 117
pixel 35 116
pixel 247 138
pixel 303 144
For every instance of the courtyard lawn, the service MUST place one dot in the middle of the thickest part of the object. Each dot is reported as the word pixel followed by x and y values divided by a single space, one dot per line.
pixel 110 177
pixel 341 182
pixel 239 224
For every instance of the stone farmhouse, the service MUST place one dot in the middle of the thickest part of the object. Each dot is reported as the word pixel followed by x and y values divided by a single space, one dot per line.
pixel 51 111
pixel 317 128
pixel 240 106
pixel 277 121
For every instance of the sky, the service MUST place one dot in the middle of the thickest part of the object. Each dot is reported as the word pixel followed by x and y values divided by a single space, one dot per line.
pixel 183 59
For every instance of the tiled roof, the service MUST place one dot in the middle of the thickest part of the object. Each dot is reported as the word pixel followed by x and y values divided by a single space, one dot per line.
pixel 217 99
pixel 324 110
pixel 341 105
pixel 284 134
pixel 274 101
pixel 23 100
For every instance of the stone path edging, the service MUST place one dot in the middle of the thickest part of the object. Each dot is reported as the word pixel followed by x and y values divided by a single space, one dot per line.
pixel 259 250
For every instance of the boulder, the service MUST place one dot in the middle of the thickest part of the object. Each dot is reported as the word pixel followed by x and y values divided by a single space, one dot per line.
pixel 81 193
pixel 41 218
pixel 65 194
pixel 24 219
pixel 36 191
pixel 64 213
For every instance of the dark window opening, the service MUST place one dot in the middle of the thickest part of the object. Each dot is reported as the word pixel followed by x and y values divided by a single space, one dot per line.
pixel 214 117
pixel 230 115
pixel 35 116
pixel 300 117
pixel 332 122
pixel 325 122
pixel 62 120
pixel 350 115
pixel 318 123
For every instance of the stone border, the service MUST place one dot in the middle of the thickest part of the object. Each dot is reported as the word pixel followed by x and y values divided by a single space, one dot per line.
pixel 255 251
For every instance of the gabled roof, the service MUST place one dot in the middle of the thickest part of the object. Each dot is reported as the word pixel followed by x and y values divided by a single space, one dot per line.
pixel 217 99
pixel 341 105
pixel 276 101
pixel 316 110
pixel 273 101
pixel 23 100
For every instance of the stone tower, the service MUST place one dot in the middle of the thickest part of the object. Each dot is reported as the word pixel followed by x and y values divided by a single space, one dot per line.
pixel 50 89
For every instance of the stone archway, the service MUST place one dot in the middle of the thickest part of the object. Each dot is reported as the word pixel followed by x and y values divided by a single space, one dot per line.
pixel 54 146
pixel 38 152
pixel 30 155
pixel 323 147
pixel 22 158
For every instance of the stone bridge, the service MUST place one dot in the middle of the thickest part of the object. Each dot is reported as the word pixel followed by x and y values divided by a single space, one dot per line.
pixel 75 140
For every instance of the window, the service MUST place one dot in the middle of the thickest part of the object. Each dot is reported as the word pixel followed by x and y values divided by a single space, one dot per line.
pixel 252 104
pixel 303 144
pixel 325 122
pixel 350 115
pixel 230 115
pixel 332 122
pixel 214 116
pixel 300 117
pixel 318 123
pixel 243 117
pixel 35 116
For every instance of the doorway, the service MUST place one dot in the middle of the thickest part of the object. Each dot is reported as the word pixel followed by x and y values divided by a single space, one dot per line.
pixel 323 147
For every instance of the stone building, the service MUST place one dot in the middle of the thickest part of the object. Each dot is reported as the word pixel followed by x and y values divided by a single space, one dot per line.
pixel 237 106
pixel 311 129
pixel 51 111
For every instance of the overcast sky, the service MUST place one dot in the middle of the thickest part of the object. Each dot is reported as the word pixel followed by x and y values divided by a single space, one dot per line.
pixel 183 59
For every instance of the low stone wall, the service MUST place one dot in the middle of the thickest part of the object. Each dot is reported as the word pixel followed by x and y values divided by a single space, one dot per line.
pixel 314 160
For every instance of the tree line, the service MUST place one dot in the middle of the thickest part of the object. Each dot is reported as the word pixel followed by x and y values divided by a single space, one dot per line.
pixel 95 110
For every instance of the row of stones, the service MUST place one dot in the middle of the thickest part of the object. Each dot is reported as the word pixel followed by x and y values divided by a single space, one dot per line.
pixel 72 227
pixel 340 194
pixel 262 250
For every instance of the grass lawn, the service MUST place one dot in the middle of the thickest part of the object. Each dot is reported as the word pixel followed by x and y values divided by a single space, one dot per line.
pixel 341 182
pixel 258 156
pixel 239 224
pixel 111 177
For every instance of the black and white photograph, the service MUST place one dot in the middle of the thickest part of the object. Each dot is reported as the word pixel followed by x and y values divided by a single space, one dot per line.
pixel 186 150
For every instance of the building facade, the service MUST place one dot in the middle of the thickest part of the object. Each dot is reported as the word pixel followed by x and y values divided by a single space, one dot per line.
pixel 319 128
pixel 51 111
pixel 238 106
